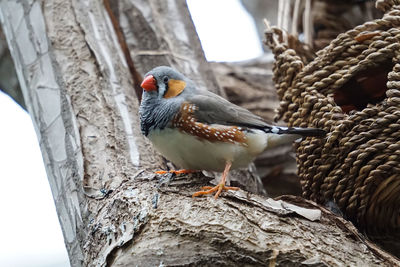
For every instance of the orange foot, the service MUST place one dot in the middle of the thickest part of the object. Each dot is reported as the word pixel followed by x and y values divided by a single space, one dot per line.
pixel 176 172
pixel 221 186
pixel 218 188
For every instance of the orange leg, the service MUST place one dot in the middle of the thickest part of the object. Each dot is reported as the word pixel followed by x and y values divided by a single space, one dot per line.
pixel 183 171
pixel 219 187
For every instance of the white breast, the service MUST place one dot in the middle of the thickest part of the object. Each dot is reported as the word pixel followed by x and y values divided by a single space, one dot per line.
pixel 189 152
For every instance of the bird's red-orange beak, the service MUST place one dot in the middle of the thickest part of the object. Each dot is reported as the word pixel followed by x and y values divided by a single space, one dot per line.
pixel 149 83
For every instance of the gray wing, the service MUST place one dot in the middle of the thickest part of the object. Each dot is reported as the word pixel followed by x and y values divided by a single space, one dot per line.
pixel 213 109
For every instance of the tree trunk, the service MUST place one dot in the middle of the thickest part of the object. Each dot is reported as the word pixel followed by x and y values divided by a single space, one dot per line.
pixel 112 209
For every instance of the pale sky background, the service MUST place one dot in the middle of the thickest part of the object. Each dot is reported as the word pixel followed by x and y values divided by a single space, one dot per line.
pixel 29 230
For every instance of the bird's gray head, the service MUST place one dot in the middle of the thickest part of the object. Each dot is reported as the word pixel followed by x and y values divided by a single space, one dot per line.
pixel 163 93
pixel 164 82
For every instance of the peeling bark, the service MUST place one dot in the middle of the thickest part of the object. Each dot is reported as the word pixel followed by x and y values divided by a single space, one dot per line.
pixel 112 209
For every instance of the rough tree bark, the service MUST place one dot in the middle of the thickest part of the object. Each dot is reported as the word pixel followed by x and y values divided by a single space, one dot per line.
pixel 112 209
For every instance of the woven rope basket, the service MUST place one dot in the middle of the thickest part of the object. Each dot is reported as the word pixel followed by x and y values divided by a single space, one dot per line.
pixel 357 166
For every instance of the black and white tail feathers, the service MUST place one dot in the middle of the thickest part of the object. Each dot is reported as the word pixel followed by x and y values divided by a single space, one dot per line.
pixel 304 132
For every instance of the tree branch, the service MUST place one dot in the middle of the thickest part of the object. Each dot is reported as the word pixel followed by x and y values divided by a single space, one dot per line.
pixel 112 209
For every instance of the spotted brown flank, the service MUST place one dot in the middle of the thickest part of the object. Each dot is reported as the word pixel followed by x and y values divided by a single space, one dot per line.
pixel 186 122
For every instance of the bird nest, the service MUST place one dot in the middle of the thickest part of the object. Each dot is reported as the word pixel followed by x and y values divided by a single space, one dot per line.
pixel 351 89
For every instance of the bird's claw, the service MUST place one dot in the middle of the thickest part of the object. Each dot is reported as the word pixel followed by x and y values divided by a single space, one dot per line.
pixel 219 188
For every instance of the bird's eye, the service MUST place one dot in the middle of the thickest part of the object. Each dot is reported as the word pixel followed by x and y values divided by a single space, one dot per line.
pixel 165 79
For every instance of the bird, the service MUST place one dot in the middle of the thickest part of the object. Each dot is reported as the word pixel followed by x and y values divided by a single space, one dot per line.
pixel 198 130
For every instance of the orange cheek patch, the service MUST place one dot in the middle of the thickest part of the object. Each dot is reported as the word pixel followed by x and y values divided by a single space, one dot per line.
pixel 186 122
pixel 175 87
